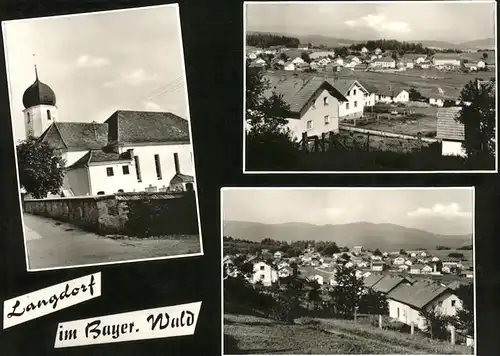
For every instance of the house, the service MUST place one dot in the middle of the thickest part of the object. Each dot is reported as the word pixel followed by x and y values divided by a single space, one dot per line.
pixel 355 94
pixel 332 67
pixel 481 64
pixel 413 58
pixel 318 278
pixel 446 269
pixel 259 62
pixel 349 264
pixel 264 273
pixel 384 62
pixel 324 61
pixel 357 249
pixel 407 301
pixel 339 61
pixel 370 96
pixel 298 60
pixel 289 66
pixel 437 101
pixel 360 67
pixel 470 67
pixel 314 103
pixel 402 97
pixel 416 268
pixel 387 283
pixel 278 255
pixel 435 259
pixel 399 260
pixel 403 267
pixel 322 54
pixel 446 59
pixel 413 254
pixel 378 51
pixel 450 131
pixel 302 66
pixel 364 50
pixel 378 266
pixel 408 262
pixel 426 269
pixel 285 272
pixel 423 254
pixel 391 93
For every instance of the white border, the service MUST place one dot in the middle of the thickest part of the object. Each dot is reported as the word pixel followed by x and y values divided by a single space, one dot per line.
pixel 245 3
pixel 186 93
pixel 346 188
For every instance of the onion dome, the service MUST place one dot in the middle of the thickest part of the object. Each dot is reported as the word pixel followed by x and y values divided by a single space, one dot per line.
pixel 38 93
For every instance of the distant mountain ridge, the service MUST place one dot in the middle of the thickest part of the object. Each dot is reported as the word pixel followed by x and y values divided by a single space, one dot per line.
pixel 370 235
pixel 331 41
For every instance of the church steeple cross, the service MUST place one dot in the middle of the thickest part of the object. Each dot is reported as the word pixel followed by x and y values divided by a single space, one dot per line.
pixel 36 70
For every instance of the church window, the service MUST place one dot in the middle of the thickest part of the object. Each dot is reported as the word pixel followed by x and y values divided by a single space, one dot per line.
pixel 138 168
pixel 109 171
pixel 125 170
pixel 49 117
pixel 158 166
pixel 29 118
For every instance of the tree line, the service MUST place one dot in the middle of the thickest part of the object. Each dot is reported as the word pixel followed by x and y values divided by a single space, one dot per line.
pixel 393 45
pixel 266 40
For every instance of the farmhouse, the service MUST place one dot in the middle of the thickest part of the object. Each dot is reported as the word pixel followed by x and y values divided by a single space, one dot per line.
pixel 314 103
pixel 289 66
pixel 298 60
pixel 355 94
pixel 406 301
pixel 264 273
pixel 399 260
pixel 391 94
pixel 378 266
pixel 450 131
pixel 385 62
pixel 446 59
pixel 370 96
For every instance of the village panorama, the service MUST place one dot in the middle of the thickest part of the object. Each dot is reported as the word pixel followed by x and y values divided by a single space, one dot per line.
pixel 301 275
pixel 355 87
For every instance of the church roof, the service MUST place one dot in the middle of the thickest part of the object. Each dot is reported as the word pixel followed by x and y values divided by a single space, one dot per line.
pixel 128 127
pixel 77 135
pixel 98 156
pixel 38 93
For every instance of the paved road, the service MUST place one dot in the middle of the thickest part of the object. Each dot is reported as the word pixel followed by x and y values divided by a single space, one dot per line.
pixel 54 244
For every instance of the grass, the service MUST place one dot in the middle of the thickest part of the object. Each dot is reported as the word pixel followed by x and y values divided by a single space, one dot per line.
pixel 244 334
pixel 378 143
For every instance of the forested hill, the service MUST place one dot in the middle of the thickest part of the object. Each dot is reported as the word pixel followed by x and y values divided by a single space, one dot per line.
pixel 266 40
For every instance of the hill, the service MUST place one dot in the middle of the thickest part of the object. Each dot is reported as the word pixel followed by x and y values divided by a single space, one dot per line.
pixel 486 43
pixel 384 236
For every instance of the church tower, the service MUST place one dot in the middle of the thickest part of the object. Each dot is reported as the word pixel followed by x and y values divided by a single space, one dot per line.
pixel 40 107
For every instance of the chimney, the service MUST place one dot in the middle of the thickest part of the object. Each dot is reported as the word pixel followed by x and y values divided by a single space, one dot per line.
pixel 176 162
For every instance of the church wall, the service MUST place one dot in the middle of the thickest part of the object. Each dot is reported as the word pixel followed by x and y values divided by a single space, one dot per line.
pixel 101 182
pixel 78 181
pixel 146 156
pixel 72 156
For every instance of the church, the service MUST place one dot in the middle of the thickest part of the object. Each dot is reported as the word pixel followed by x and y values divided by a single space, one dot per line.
pixel 131 151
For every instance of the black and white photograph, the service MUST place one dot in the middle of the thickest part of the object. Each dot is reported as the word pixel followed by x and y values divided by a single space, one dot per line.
pixel 380 86
pixel 355 271
pixel 104 153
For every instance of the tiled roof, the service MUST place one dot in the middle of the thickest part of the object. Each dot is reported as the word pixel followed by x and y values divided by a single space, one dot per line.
pixel 447 126
pixel 372 279
pixel 389 90
pixel 419 294
pixel 81 135
pixel 181 178
pixel 97 156
pixel 344 85
pixel 299 92
pixel 387 283
pixel 128 127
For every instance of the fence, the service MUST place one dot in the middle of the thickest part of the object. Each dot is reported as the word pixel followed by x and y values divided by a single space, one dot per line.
pixel 134 214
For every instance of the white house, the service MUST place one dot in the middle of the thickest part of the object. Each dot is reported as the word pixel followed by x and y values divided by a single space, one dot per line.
pixel 423 254
pixel 407 301
pixel 339 61
pixel 282 264
pixel 450 131
pixel 132 151
pixel 278 255
pixel 364 50
pixel 318 278
pixel 416 268
pixel 289 66
pixel 436 101
pixel 403 267
pixel 481 64
pixel 402 97
pixel 399 261
pixel 435 259
pixel 446 59
pixel 297 60
pixel 322 54
pixel 408 262
pixel 378 51
pixel 413 255
pixel 355 94
pixel 426 269
pixel 314 104
pixel 284 272
pixel 377 266
pixel 259 61
pixel 384 62
pixel 264 273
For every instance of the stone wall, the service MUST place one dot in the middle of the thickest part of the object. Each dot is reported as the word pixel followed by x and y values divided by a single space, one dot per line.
pixel 138 214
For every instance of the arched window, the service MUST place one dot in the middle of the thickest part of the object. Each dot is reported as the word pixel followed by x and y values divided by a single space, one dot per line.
pixel 29 118
pixel 100 193
pixel 49 117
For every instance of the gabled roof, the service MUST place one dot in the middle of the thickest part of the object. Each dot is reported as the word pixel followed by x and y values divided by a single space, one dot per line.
pixel 419 294
pixel 372 279
pixel 387 283
pixel 447 126
pixel 129 127
pixel 182 178
pixel 81 135
pixel 99 156
pixel 345 85
pixel 300 93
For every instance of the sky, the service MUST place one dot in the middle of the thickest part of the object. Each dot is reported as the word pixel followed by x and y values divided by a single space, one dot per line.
pixel 97 63
pixel 440 211
pixel 454 22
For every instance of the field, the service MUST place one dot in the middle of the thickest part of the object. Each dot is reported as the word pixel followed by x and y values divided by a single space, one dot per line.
pixel 245 334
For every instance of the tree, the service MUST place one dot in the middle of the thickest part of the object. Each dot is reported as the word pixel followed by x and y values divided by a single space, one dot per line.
pixel 330 249
pixel 436 323
pixel 464 319
pixel 270 142
pixel 414 94
pixel 377 252
pixel 485 55
pixel 373 303
pixel 305 57
pixel 283 56
pixel 314 295
pixel 41 170
pixel 402 252
pixel 455 255
pixel 346 294
pixel 479 119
